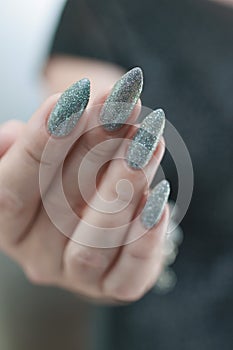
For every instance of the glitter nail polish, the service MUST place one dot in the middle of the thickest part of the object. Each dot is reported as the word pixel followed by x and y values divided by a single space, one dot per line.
pixel 69 108
pixel 122 99
pixel 155 204
pixel 146 139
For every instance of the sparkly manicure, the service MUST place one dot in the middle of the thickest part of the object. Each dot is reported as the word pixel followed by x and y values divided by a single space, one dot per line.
pixel 146 139
pixel 69 108
pixel 155 204
pixel 120 103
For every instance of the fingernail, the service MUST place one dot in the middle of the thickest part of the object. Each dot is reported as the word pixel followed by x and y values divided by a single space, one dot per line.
pixel 121 101
pixel 69 108
pixel 155 204
pixel 146 139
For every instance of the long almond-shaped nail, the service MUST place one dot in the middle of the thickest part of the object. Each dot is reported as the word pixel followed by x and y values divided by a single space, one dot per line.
pixel 146 139
pixel 69 108
pixel 155 204
pixel 121 101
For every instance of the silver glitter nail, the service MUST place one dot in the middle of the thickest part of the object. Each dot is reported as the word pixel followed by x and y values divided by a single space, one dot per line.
pixel 155 204
pixel 120 103
pixel 69 108
pixel 146 139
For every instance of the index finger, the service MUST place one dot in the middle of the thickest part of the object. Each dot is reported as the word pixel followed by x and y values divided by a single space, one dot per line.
pixel 19 168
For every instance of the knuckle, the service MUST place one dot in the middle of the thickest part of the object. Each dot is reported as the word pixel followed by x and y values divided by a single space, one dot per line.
pixel 37 274
pixel 83 260
pixel 75 263
pixel 34 157
pixel 139 254
pixel 72 262
pixel 34 146
pixel 34 276
pixel 10 203
pixel 123 292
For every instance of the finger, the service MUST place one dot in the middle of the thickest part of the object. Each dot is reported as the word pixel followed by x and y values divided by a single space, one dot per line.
pixel 20 190
pixel 138 263
pixel 9 132
pixel 45 246
pixel 41 252
pixel 19 170
pixel 99 143
pixel 96 227
pixel 76 180
pixel 131 173
pixel 104 215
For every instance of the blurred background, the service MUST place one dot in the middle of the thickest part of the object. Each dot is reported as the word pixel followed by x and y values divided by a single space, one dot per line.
pixel 31 317
pixel 34 317
pixel 26 30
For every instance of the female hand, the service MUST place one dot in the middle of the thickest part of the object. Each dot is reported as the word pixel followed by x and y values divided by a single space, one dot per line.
pixel 112 248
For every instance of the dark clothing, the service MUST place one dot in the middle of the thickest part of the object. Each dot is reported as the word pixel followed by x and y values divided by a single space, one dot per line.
pixel 185 49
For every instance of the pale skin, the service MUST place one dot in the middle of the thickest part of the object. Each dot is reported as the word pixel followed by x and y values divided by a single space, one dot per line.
pixel 27 235
pixel 48 257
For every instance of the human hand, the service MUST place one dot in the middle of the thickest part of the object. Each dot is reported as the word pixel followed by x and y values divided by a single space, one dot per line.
pixel 53 253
